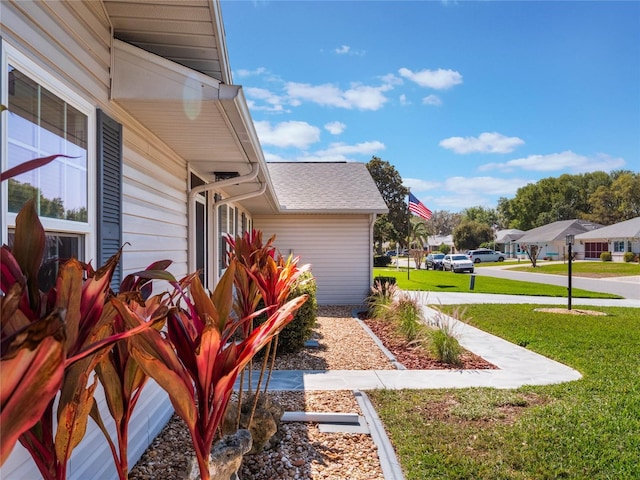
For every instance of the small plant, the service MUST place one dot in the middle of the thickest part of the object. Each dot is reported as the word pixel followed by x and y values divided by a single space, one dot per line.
pixel 444 343
pixel 381 260
pixel 408 316
pixel 380 300
pixel 605 256
pixel 629 257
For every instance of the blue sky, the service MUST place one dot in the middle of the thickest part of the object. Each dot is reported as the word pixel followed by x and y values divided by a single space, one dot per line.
pixel 468 100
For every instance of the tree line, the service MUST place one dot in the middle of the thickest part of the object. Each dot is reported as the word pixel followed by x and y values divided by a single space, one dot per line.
pixel 599 197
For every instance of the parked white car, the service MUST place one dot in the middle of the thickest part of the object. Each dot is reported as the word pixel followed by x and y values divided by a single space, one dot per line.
pixel 457 263
pixel 485 255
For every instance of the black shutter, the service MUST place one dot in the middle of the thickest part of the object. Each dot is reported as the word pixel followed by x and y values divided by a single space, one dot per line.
pixel 109 167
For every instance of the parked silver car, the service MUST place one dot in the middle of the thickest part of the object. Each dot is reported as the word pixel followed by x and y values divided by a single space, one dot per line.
pixel 485 255
pixel 434 261
pixel 457 263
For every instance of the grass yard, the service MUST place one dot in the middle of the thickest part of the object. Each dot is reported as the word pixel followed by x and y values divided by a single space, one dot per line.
pixel 437 281
pixel 588 429
pixel 585 269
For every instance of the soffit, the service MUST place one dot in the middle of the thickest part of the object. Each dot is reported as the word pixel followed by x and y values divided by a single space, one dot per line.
pixel 187 32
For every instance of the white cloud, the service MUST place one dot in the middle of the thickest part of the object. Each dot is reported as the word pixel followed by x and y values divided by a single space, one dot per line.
pixel 360 97
pixel 403 100
pixel 469 186
pixel 274 103
pixel 391 80
pixel 347 50
pixel 287 134
pixel 363 148
pixel 437 79
pixel 335 128
pixel 418 185
pixel 567 160
pixel 432 100
pixel 249 73
pixel 484 143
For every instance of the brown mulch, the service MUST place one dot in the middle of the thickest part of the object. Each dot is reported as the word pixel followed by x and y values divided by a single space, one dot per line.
pixel 417 357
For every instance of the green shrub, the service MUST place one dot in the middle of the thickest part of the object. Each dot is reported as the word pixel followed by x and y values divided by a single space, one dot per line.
pixel 381 260
pixel 293 336
pixel 629 257
pixel 384 280
pixel 605 256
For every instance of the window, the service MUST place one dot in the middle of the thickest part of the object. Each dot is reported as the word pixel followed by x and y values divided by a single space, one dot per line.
pixel 223 230
pixel 45 118
pixel 618 246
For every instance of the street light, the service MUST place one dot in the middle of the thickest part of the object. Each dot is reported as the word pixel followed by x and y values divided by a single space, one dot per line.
pixel 569 239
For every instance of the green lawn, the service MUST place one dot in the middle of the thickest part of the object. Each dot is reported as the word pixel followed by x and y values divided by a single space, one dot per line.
pixel 586 269
pixel 588 429
pixel 437 281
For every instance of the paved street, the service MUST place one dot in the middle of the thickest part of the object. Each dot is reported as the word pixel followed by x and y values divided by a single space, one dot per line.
pixel 627 287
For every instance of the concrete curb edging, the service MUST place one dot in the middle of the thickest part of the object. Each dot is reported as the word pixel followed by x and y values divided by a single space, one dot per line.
pixel 377 341
pixel 388 460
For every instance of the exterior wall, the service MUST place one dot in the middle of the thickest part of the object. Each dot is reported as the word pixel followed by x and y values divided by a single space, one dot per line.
pixel 338 247
pixel 71 41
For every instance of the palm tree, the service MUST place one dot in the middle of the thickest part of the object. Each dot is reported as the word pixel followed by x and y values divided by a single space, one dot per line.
pixel 418 233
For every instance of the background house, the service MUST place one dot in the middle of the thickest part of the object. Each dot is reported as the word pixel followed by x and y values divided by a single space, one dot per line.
pixel 168 162
pixel 617 238
pixel 551 238
pixel 434 242
pixel 507 242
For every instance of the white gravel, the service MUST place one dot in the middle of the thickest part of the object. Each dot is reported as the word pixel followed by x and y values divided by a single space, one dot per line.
pixel 304 452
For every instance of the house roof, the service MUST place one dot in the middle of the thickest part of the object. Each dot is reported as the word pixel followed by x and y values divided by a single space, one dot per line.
pixel 508 235
pixel 325 187
pixel 557 231
pixel 437 240
pixel 627 229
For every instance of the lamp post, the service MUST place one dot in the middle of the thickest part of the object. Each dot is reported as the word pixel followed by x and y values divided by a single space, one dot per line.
pixel 569 241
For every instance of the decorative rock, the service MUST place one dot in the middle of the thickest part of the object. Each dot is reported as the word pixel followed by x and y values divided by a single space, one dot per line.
pixel 265 426
pixel 225 458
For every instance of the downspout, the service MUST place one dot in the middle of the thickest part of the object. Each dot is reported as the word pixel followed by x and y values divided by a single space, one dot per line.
pixel 214 221
pixel 372 221
pixel 191 262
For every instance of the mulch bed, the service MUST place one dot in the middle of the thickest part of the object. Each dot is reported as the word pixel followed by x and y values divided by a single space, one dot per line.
pixel 416 357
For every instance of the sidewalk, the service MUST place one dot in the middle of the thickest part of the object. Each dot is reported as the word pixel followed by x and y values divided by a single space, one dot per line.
pixel 517 366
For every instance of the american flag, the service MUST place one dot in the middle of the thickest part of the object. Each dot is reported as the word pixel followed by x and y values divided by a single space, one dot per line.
pixel 416 207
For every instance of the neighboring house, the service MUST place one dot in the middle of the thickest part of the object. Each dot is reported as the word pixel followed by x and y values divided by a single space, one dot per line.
pixel 434 242
pixel 617 238
pixel 167 162
pixel 507 242
pixel 551 238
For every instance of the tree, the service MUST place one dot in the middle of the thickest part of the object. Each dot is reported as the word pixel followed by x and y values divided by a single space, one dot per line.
pixel 488 216
pixel 394 225
pixel 443 222
pixel 418 234
pixel 469 234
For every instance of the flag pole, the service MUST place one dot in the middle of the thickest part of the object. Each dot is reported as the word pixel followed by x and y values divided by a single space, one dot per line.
pixel 408 236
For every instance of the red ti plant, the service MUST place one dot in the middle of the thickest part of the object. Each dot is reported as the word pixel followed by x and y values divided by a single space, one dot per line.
pixel 50 343
pixel 120 375
pixel 197 362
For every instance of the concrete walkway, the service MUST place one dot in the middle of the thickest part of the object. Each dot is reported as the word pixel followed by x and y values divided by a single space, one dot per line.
pixel 517 366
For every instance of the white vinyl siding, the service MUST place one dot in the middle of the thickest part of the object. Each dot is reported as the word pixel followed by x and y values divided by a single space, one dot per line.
pixel 71 41
pixel 337 247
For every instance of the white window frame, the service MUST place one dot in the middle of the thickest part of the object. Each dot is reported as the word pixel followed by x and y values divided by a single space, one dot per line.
pixel 619 246
pixel 12 56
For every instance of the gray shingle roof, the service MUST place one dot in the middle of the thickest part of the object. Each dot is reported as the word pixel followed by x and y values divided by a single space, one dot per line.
pixel 626 229
pixel 557 231
pixel 325 187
